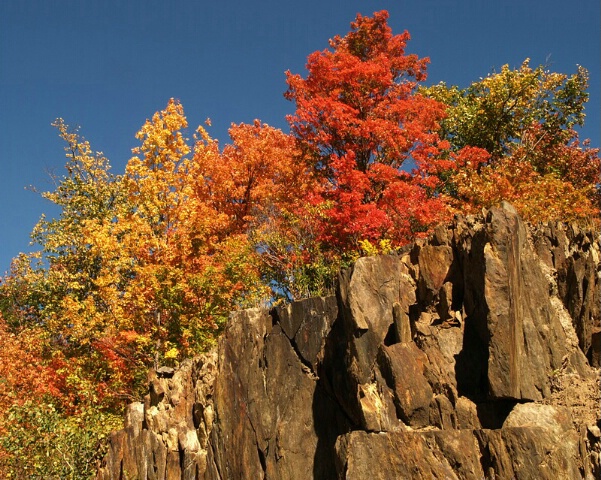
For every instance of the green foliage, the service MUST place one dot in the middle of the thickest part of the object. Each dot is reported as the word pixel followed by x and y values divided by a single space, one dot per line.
pixel 523 121
pixel 293 262
pixel 43 443
pixel 495 112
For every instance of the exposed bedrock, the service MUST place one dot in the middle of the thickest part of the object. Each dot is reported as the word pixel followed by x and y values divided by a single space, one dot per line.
pixel 474 354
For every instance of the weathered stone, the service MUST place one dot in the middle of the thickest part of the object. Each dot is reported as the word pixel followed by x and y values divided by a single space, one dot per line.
pixel 266 402
pixel 595 350
pixel 307 324
pixel 403 367
pixel 368 292
pixel 377 407
pixel 160 440
pixel 442 413
pixel 408 455
pixel 434 265
pixel 525 335
pixel 442 347
pixel 445 303
pixel 574 257
pixel 134 417
pixel 467 414
pixel 513 452
pixel 531 452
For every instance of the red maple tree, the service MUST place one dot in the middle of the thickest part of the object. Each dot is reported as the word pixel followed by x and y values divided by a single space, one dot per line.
pixel 361 121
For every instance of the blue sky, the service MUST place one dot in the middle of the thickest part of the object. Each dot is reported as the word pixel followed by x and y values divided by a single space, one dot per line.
pixel 108 65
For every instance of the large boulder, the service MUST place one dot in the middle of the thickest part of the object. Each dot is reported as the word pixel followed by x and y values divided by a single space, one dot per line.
pixel 267 399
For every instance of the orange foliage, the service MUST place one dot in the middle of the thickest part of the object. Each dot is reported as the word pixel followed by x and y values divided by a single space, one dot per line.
pixel 545 177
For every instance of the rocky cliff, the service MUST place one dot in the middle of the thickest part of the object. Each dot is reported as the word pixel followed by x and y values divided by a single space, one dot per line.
pixel 473 354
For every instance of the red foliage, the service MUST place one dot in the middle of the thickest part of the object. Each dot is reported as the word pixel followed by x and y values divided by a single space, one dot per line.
pixel 360 119
pixel 380 203
pixel 360 96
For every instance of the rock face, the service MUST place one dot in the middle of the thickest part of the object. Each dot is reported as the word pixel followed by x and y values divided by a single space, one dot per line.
pixel 472 355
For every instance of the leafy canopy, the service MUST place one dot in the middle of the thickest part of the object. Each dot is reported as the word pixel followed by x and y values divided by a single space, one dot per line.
pixel 494 112
pixel 359 119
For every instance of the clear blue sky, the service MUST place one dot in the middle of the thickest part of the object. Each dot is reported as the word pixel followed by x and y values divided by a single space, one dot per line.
pixel 107 65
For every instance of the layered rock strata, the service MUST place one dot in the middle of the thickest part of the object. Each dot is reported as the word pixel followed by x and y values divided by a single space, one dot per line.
pixel 473 354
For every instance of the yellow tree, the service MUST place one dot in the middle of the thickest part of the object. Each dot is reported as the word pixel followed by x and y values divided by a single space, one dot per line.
pixel 193 260
pixel 138 268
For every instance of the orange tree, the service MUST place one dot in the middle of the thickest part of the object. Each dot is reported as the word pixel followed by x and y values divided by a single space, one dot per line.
pixel 143 267
pixel 261 182
pixel 137 269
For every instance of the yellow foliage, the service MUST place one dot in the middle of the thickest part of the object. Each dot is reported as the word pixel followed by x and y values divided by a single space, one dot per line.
pixel 383 247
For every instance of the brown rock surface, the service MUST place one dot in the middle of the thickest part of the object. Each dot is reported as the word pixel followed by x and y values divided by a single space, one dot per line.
pixel 467 357
pixel 402 365
pixel 527 340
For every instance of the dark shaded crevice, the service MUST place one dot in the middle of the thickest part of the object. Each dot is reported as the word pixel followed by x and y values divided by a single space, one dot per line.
pixel 155 398
pixel 583 335
pixel 333 373
pixel 485 458
pixel 275 318
pixel 392 336
pixel 344 470
pixel 359 332
pixel 197 415
pixel 155 463
pixel 330 421
pixel 263 363
pixel 456 276
pixel 471 364
pixel 414 313
pixel 325 382
pixel 331 418
pixel 182 460
pixel 262 460
pixel 352 426
pixel 492 414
